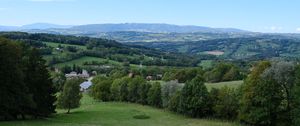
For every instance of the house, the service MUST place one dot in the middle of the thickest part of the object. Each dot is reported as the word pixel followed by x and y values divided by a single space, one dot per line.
pixel 85 86
pixel 149 78
pixel 73 74
pixel 84 74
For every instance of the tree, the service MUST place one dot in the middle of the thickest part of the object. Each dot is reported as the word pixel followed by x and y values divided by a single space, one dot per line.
pixel 101 88
pixel 70 97
pixel 223 72
pixel 39 83
pixel 124 88
pixel 58 80
pixel 154 95
pixel 261 97
pixel 115 90
pixel 194 98
pixel 169 89
pixel 143 92
pixel 174 102
pixel 133 86
pixel 296 97
pixel 226 104
pixel 14 97
pixel 283 73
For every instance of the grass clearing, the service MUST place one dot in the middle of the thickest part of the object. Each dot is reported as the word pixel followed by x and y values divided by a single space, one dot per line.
pixel 55 45
pixel 206 64
pixel 92 113
pixel 231 84
pixel 81 60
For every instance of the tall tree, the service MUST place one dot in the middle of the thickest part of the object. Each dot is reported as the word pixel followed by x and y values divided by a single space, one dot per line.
pixel 37 79
pixel 124 88
pixel 154 95
pixel 226 105
pixel 14 98
pixel 296 97
pixel 142 91
pixel 133 86
pixel 261 97
pixel 101 88
pixel 70 97
pixel 194 98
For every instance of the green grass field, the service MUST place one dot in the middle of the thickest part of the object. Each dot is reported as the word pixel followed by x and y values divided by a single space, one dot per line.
pixel 230 84
pixel 81 60
pixel 206 64
pixel 55 45
pixel 93 113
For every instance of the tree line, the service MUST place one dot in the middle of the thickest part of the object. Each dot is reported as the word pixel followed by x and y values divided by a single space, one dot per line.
pixel 269 96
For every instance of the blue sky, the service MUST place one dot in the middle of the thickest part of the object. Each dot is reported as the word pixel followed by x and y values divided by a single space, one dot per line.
pixel 253 15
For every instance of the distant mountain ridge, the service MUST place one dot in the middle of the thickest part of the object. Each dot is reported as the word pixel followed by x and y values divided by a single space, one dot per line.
pixel 40 26
pixel 148 27
pixel 138 27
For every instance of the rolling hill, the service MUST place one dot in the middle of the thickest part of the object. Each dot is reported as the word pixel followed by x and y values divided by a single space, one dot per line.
pixel 60 49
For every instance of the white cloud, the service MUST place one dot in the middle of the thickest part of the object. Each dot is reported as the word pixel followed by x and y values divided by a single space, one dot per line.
pixel 298 29
pixel 273 29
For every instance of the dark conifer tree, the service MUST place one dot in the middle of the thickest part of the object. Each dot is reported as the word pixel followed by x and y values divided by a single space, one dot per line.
pixel 14 98
pixel 39 83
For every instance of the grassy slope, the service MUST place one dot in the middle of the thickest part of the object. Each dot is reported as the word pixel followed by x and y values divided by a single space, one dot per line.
pixel 231 84
pixel 92 113
pixel 81 60
pixel 54 45
pixel 206 64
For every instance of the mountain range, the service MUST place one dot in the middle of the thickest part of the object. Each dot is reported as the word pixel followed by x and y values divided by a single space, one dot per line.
pixel 137 27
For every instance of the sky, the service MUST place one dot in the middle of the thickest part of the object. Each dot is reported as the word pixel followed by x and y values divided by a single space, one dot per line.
pixel 254 15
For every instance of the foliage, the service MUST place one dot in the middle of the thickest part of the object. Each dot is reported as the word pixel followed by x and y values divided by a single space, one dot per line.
pixel 14 92
pixel 174 102
pixel 133 86
pixel 70 97
pixel 194 97
pixel 101 88
pixel 169 89
pixel 154 95
pixel 26 87
pixel 223 72
pixel 182 75
pixel 39 83
pixel 124 92
pixel 226 103
pixel 296 97
pixel 115 90
pixel 143 90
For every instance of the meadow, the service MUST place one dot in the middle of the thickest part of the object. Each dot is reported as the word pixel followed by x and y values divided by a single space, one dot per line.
pixel 92 113
pixel 230 84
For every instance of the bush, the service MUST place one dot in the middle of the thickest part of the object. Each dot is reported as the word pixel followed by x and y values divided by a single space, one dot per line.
pixel 226 105
pixel 101 88
pixel 194 98
pixel 154 95
pixel 133 86
pixel 169 89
